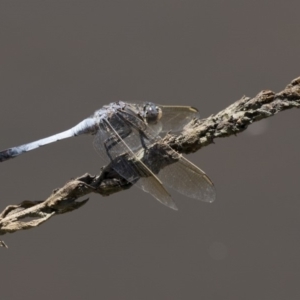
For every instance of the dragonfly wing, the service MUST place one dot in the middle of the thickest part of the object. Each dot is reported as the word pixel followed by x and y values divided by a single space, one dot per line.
pixel 174 118
pixel 109 142
pixel 181 175
pixel 189 180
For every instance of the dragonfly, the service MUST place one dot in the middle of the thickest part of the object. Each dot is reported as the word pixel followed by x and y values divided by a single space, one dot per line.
pixel 124 133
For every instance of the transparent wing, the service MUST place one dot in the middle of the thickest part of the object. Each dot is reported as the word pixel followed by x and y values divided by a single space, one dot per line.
pixel 174 118
pixel 189 180
pixel 183 176
pixel 115 140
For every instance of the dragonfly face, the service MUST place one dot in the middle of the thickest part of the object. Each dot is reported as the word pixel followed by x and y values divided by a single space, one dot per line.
pixel 152 113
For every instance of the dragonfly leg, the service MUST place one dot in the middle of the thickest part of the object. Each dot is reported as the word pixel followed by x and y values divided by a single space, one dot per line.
pixel 107 149
pixel 143 137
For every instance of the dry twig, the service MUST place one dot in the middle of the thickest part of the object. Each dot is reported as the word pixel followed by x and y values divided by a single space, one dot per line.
pixel 197 134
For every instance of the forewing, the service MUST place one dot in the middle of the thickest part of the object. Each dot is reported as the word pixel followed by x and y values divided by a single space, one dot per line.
pixel 174 118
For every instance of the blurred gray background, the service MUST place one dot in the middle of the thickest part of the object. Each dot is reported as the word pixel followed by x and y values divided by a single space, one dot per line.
pixel 62 60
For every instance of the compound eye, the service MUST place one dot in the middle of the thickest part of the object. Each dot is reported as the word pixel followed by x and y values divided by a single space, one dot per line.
pixel 152 113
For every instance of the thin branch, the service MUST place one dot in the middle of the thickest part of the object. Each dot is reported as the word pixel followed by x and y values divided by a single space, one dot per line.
pixel 197 134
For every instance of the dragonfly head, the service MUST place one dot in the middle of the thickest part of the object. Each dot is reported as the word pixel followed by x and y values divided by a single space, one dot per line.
pixel 151 113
